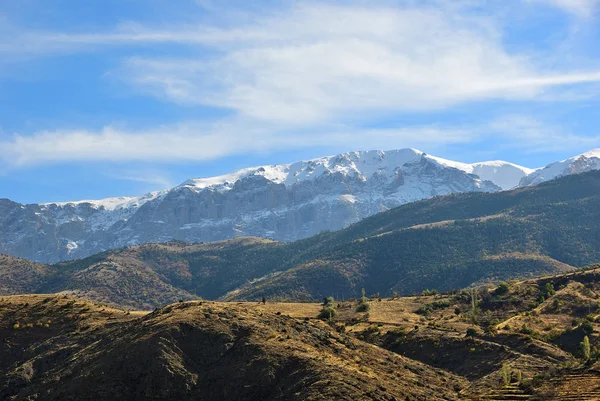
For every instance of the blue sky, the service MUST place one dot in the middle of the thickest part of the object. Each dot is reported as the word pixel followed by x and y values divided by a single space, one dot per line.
pixel 122 97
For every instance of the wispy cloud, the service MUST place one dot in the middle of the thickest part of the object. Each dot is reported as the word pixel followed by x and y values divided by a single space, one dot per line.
pixel 581 8
pixel 306 75
pixel 315 62
pixel 202 142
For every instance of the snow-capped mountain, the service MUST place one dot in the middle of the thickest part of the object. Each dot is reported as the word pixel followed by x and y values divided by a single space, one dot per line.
pixel 582 163
pixel 283 202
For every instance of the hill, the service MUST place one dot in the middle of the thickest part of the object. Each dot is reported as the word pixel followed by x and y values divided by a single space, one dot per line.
pixel 516 341
pixel 66 349
pixel 20 276
pixel 444 243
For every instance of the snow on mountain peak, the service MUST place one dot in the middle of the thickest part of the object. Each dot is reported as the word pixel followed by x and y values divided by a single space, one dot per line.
pixel 587 161
pixel 590 154
pixel 109 204
pixel 503 174
pixel 361 163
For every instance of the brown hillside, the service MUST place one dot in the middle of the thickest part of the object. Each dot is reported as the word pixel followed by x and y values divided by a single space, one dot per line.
pixel 196 350
pixel 20 276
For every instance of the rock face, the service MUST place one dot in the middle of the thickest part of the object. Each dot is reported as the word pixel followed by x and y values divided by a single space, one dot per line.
pixel 284 202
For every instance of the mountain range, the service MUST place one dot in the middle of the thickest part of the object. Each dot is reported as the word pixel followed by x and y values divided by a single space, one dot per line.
pixel 281 202
pixel 446 243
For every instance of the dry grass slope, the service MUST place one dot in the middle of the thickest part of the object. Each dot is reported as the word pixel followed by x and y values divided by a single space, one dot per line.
pixel 193 350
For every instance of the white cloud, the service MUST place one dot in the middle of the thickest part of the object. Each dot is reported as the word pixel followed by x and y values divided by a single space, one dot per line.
pixel 314 62
pixel 582 8
pixel 317 63
pixel 201 142
pixel 306 76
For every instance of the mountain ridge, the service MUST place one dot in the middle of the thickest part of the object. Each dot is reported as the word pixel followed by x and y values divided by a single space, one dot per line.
pixel 284 202
pixel 445 243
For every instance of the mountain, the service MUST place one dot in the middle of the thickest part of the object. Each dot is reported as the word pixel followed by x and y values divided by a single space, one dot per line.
pixel 575 165
pixel 445 243
pixel 283 202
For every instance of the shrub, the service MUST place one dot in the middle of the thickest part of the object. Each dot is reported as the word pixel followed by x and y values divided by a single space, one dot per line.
pixel 526 330
pixel 548 290
pixel 329 309
pixel 363 305
pixel 327 313
pixel 587 326
pixel 471 332
pixel 430 307
pixel 501 289
pixel 328 301
pixel 556 304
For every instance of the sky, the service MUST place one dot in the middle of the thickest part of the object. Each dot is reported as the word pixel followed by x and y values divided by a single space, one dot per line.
pixel 104 98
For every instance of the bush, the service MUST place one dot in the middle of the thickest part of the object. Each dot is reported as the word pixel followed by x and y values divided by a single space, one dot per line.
pixel 471 332
pixel 327 313
pixel 329 309
pixel 526 330
pixel 363 305
pixel 587 326
pixel 430 307
pixel 548 290
pixel 501 289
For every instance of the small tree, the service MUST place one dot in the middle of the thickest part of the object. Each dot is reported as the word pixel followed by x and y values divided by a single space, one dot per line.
pixel 585 348
pixel 363 304
pixel 329 309
pixel 506 374
pixel 473 299
pixel 548 290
